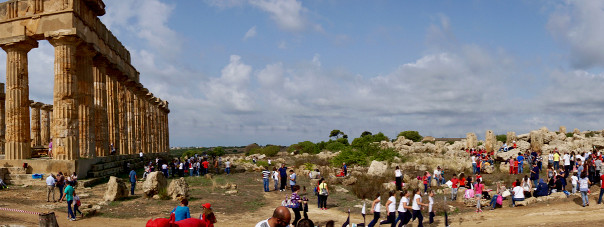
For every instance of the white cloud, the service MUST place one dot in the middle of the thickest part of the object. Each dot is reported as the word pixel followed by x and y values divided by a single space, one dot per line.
pixel 250 33
pixel 229 91
pixel 578 25
pixel 288 14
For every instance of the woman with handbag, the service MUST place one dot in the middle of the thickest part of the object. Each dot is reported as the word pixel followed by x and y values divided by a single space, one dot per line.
pixel 323 193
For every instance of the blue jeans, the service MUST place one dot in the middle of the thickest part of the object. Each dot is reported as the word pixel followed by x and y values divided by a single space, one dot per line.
pixel 473 168
pixel 584 197
pixel 60 187
pixel 601 192
pixel 556 165
pixel 494 201
pixel 514 201
pixel 276 184
pixel 190 172
pixel 70 213
pixel 228 170
pixel 265 184
pixel 132 185
pixel 520 167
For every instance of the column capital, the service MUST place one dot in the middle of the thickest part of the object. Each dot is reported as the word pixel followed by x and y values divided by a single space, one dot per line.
pixel 36 105
pixel 64 40
pixel 21 43
pixel 86 50
pixel 47 107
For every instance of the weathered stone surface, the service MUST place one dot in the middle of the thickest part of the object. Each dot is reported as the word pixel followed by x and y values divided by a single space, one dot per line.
pixel 536 137
pixel 377 168
pixel 562 130
pixel 231 192
pixel 389 186
pixel 349 181
pixel 155 182
pixel 116 189
pixel 178 189
pixel 490 141
pixel 36 137
pixel 471 140
pixel 576 131
pixel 510 138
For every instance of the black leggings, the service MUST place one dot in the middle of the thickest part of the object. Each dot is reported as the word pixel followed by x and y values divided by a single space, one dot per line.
pixel 283 181
pixel 322 201
pixel 405 217
pixel 297 216
pixel 389 220
pixel 376 217
pixel 418 214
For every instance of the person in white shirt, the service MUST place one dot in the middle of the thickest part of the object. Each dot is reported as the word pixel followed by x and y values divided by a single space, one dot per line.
pixel 50 187
pixel 550 159
pixel 430 205
pixel 573 180
pixel 398 175
pixel 227 168
pixel 473 164
pixel 566 159
pixel 416 207
pixel 141 155
pixel 438 176
pixel 375 209
pixel 404 214
pixel 518 193
pixel 391 206
pixel 281 218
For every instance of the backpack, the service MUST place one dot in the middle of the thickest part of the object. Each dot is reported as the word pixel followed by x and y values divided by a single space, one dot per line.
pixel 323 191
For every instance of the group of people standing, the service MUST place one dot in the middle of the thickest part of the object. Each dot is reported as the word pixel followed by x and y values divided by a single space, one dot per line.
pixel 408 209
pixel 66 192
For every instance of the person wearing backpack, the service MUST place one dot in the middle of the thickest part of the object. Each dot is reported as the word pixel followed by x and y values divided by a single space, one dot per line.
pixel 77 204
pixel 323 193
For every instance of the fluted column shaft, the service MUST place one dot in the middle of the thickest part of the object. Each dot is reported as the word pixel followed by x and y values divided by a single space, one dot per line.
pixel 137 123
pixel 45 124
pixel 2 119
pixel 65 131
pixel 85 101
pixel 101 123
pixel 17 99
pixel 36 136
pixel 147 127
pixel 130 119
pixel 123 148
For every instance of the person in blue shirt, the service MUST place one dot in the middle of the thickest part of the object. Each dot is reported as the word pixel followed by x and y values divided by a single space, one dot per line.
pixel 132 181
pixel 520 162
pixel 182 212
pixel 283 175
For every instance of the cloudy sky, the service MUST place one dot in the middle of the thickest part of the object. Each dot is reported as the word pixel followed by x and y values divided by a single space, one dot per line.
pixel 279 72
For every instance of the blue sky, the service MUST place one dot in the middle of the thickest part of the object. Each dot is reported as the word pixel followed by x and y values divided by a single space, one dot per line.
pixel 278 72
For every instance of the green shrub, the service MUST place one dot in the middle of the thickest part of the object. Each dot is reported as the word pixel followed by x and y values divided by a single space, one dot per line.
pixel 304 147
pixel 411 135
pixel 503 138
pixel 386 155
pixel 590 134
pixel 217 151
pixel 309 166
pixel 262 163
pixel 335 146
pixel 350 156
pixel 368 139
pixel 570 134
pixel 479 144
pixel 248 149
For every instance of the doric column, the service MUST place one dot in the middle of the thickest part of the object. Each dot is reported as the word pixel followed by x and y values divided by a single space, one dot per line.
pixel 2 118
pixel 86 101
pixel 36 135
pixel 65 121
pixel 112 107
pixel 167 126
pixel 17 99
pixel 148 123
pixel 123 147
pixel 155 119
pixel 101 123
pixel 130 116
pixel 137 118
pixel 45 124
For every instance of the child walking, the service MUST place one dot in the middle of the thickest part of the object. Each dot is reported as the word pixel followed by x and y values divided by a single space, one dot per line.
pixel 430 205
pixel 77 204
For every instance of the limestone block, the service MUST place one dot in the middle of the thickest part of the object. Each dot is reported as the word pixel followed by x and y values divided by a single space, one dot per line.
pixel 490 141
pixel 377 168
pixel 116 189
pixel 536 140
pixel 350 181
pixel 576 131
pixel 471 140
pixel 511 137
pixel 155 182
pixel 178 189
pixel 389 186
pixel 562 130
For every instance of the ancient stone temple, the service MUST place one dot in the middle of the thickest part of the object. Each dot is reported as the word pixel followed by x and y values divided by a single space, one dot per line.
pixel 98 99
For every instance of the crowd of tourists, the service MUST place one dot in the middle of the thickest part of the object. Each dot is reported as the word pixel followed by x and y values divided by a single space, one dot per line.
pixel 66 187
pixel 197 165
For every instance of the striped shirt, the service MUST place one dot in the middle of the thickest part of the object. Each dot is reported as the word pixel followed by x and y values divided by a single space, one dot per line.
pixel 265 174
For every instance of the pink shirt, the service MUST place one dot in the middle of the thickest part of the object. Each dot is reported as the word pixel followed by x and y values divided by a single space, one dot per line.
pixel 478 189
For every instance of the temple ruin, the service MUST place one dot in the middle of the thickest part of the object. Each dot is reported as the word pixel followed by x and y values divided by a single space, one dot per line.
pixel 98 100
